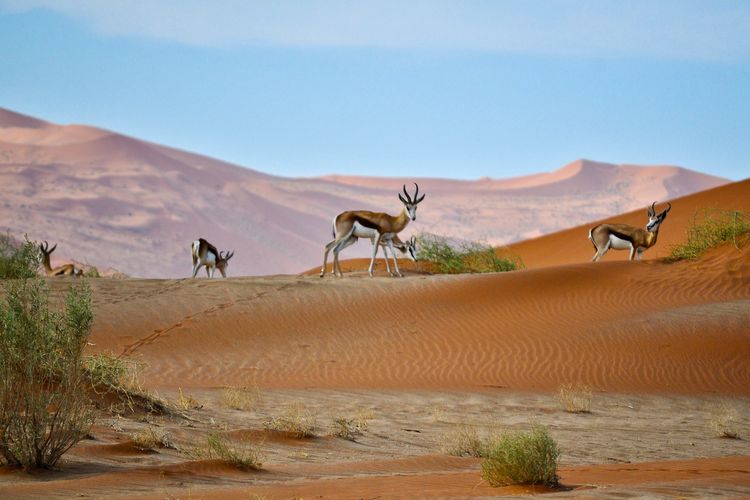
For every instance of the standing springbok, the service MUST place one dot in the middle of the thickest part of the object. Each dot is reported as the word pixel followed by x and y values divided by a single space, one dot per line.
pixel 205 254
pixel 625 237
pixel 348 227
pixel 64 270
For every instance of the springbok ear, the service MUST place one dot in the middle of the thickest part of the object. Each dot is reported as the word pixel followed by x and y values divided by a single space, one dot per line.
pixel 413 240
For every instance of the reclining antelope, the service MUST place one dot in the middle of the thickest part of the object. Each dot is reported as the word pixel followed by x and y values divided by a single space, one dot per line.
pixel 625 237
pixel 63 270
pixel 205 254
pixel 378 227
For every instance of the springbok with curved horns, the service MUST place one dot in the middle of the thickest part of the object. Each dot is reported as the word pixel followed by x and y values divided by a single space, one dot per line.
pixel 349 226
pixel 625 237
pixel 64 270
pixel 205 254
pixel 407 249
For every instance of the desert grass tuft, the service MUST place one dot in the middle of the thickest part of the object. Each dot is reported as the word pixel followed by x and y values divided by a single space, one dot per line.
pixel 150 438
pixel 464 441
pixel 186 402
pixel 575 398
pixel 348 429
pixel 710 228
pixel 241 398
pixel 725 421
pixel 120 376
pixel 522 458
pixel 294 420
pixel 448 257
pixel 243 455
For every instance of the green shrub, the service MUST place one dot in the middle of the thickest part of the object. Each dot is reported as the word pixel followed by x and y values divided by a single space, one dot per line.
pixel 18 260
pixel 710 228
pixel 464 257
pixel 44 404
pixel 93 272
pixel 522 458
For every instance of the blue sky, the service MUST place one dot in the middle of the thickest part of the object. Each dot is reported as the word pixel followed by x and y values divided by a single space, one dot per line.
pixel 460 89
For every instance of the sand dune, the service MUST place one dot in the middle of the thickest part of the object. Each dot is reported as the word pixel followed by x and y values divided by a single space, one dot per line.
pixel 116 201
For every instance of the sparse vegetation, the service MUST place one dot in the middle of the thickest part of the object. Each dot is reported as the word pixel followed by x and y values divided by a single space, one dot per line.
pixel 150 438
pixel 724 421
pixel 18 260
pixel 464 441
pixel 294 420
pixel 710 228
pixel 348 429
pixel 119 376
pixel 93 272
pixel 241 398
pixel 186 402
pixel 575 398
pixel 44 405
pixel 522 458
pixel 243 455
pixel 463 257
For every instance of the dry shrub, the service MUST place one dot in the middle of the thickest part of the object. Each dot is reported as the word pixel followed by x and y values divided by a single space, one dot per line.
pixel 575 398
pixel 187 402
pixel 243 455
pixel 522 458
pixel 44 405
pixel 119 376
pixel 464 441
pixel 724 421
pixel 347 429
pixel 241 398
pixel 151 438
pixel 294 420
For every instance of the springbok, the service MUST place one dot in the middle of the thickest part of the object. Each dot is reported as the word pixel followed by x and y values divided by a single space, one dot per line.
pixel 64 270
pixel 625 237
pixel 349 226
pixel 406 249
pixel 205 254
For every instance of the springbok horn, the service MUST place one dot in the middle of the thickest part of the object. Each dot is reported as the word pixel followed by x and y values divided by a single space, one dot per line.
pixel 53 248
pixel 652 210
pixel 408 198
pixel 668 208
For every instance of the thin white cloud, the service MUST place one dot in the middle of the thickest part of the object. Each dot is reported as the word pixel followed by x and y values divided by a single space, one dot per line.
pixel 686 29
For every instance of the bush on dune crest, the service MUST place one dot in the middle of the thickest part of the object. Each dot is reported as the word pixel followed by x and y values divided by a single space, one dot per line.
pixel 463 257
pixel 710 228
pixel 18 260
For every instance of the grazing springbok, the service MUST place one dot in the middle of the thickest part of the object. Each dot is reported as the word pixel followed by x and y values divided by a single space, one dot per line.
pixel 406 249
pixel 205 254
pixel 64 270
pixel 625 237
pixel 376 226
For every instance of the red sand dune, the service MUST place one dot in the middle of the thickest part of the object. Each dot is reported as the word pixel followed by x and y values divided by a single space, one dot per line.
pixel 115 201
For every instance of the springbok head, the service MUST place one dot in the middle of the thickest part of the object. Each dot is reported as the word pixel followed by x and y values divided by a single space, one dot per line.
pixel 411 248
pixel 46 250
pixel 655 219
pixel 410 204
pixel 223 262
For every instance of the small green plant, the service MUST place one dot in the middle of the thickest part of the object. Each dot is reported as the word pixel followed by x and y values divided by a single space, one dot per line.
pixel 463 257
pixel 93 272
pixel 464 441
pixel 294 420
pixel 522 458
pixel 710 228
pixel 575 398
pixel 243 455
pixel 44 404
pixel 18 260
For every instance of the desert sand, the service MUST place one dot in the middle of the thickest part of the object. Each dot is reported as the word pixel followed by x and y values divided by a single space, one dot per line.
pixel 665 348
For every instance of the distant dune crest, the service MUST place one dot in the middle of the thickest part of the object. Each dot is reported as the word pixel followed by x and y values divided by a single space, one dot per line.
pixel 113 200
